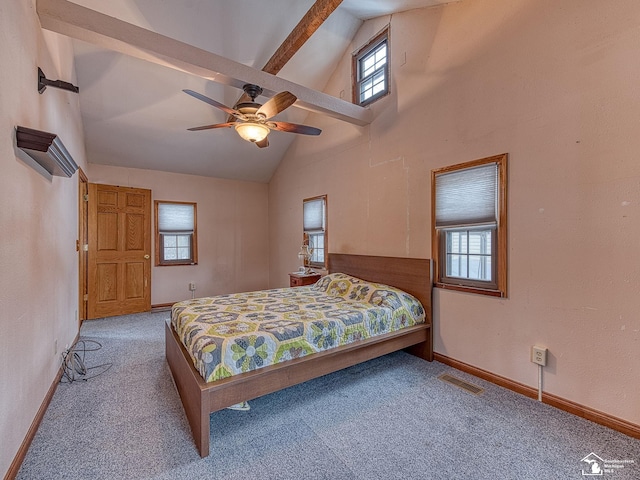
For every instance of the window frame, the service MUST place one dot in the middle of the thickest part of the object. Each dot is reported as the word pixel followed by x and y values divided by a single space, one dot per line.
pixel 444 253
pixel 362 53
pixel 498 285
pixel 160 261
pixel 305 233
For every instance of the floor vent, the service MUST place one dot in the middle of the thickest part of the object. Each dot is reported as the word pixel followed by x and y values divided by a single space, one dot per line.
pixel 474 389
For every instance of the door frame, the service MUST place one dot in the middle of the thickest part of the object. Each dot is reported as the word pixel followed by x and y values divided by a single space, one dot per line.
pixel 81 243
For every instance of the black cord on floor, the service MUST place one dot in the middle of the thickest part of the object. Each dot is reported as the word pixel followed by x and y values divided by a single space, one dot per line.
pixel 73 362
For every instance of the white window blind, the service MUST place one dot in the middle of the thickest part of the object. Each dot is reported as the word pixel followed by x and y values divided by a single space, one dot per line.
pixel 467 197
pixel 313 211
pixel 175 218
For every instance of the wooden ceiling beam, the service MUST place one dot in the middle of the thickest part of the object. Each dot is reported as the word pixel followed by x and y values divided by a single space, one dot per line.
pixel 307 26
pixel 81 23
pixel 302 32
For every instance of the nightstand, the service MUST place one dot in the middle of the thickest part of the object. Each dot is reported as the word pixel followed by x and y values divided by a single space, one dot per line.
pixel 300 279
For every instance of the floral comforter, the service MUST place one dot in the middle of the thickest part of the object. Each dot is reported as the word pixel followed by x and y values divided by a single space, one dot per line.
pixel 230 334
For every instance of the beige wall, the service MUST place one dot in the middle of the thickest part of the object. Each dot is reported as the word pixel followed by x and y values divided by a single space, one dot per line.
pixel 38 223
pixel 556 86
pixel 232 223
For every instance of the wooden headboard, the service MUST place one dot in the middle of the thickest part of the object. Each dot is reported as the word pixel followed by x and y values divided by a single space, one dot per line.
pixel 413 275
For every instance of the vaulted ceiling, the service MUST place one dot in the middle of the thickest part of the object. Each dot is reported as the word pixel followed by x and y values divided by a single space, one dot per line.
pixel 134 111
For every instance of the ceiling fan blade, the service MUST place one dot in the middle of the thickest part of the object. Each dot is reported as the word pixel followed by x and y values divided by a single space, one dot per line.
pixel 294 128
pixel 208 127
pixel 263 143
pixel 277 104
pixel 213 103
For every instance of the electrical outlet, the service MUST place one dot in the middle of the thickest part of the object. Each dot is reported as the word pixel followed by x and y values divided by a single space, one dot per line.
pixel 192 286
pixel 539 355
pixel 55 347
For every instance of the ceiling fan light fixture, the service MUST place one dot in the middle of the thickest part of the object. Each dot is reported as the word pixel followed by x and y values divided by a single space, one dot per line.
pixel 252 120
pixel 252 132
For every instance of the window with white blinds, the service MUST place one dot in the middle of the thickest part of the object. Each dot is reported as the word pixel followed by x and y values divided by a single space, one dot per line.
pixel 315 229
pixel 469 226
pixel 467 197
pixel 176 239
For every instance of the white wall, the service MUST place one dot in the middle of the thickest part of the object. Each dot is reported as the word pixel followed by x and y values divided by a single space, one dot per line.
pixel 556 85
pixel 232 220
pixel 38 223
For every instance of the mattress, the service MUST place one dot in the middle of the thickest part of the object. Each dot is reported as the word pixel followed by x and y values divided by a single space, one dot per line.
pixel 231 334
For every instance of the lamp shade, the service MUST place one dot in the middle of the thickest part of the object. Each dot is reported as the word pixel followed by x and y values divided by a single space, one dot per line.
pixel 252 132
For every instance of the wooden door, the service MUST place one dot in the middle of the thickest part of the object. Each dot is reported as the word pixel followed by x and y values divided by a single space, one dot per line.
pixel 119 250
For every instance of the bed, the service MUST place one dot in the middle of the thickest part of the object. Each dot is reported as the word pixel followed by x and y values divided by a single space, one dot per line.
pixel 200 398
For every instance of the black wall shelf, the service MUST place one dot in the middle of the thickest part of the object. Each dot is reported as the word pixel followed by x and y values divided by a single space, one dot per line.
pixel 46 149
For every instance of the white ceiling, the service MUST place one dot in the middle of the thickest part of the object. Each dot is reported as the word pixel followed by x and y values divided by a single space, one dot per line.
pixel 135 113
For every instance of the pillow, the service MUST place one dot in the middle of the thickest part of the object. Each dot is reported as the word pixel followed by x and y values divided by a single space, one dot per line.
pixel 386 296
pixel 355 289
pixel 345 286
pixel 398 300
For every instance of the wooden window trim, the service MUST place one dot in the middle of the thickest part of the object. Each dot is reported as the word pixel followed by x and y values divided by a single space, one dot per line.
pixel 305 237
pixel 355 59
pixel 501 234
pixel 159 262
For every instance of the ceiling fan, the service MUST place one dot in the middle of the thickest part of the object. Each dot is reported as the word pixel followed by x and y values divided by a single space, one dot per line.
pixel 253 120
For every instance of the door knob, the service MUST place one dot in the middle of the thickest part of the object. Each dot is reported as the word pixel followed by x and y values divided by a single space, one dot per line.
pixel 146 256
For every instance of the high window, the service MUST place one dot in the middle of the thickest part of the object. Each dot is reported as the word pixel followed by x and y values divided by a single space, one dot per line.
pixel 469 218
pixel 176 234
pixel 371 70
pixel 315 229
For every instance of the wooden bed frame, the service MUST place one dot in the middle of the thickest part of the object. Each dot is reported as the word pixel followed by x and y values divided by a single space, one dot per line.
pixel 200 398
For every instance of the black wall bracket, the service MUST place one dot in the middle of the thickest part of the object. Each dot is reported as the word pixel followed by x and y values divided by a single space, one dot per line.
pixel 43 83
